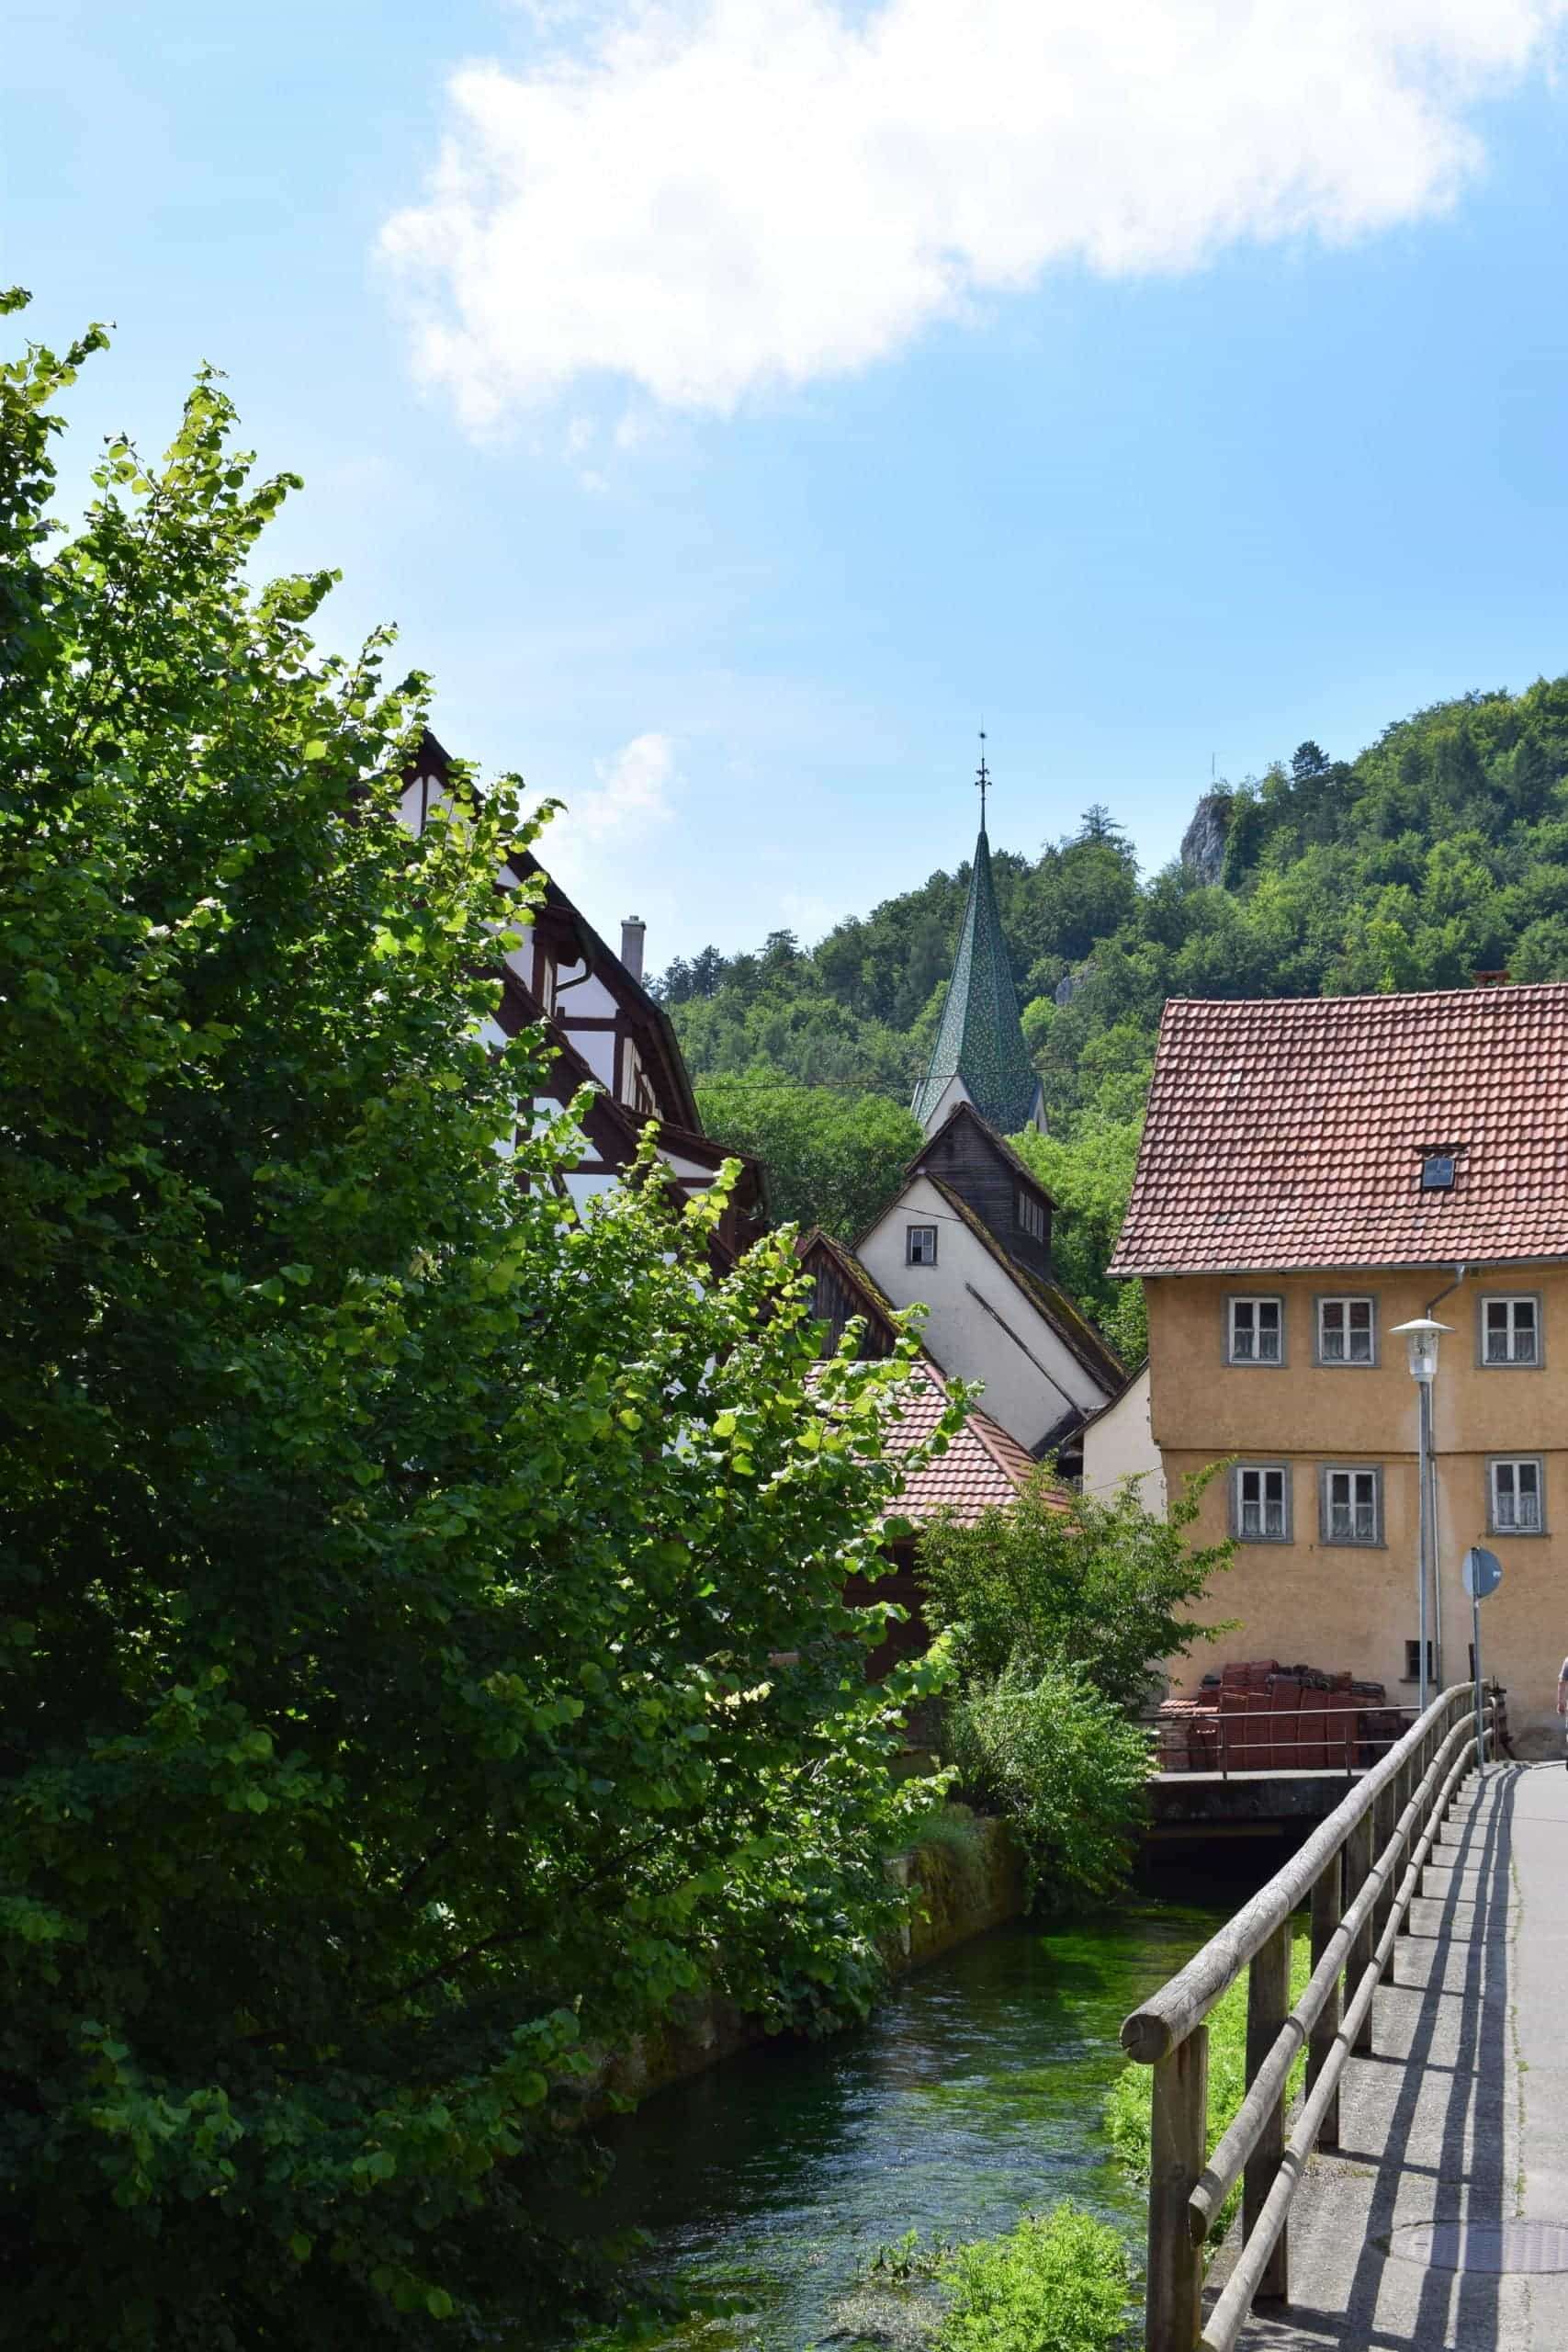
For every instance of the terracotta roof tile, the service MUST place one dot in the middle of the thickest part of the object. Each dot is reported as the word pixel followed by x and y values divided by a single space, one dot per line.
pixel 983 1467
pixel 1292 1134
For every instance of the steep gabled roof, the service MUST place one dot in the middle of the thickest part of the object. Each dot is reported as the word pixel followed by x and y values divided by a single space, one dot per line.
pixel 997 1143
pixel 872 1300
pixel 1293 1134
pixel 980 1040
pixel 983 1468
pixel 1070 1324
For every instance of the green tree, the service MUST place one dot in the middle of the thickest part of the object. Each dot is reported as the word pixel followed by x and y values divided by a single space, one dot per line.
pixel 833 1160
pixel 394 1569
pixel 1099 1585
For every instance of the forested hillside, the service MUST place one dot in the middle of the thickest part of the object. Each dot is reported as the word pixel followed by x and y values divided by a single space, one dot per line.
pixel 1440 851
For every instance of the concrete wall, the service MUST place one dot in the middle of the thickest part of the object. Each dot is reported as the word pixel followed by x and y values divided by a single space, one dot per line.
pixel 1339 1605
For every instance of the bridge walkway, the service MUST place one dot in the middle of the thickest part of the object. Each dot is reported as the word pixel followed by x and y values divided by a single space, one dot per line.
pixel 1461 2117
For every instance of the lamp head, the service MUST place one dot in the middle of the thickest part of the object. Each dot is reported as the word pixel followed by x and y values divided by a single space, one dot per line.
pixel 1421 1335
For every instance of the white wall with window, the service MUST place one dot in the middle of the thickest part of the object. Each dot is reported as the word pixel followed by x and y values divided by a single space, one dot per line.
pixel 984 1321
pixel 1510 1328
pixel 1351 1505
pixel 1260 1502
pixel 1348 1330
pixel 1255 1329
pixel 1515 1495
pixel 919 1245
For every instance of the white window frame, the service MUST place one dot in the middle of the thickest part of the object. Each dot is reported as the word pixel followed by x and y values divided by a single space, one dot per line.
pixel 1344 1301
pixel 1513 1464
pixel 926 1232
pixel 1261 1472
pixel 1365 1534
pixel 1253 1300
pixel 1030 1215
pixel 1510 1301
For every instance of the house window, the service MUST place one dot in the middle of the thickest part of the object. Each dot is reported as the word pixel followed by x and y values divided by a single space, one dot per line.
pixel 1413 1661
pixel 1255 1331
pixel 1515 1495
pixel 1510 1329
pixel 1260 1502
pixel 1031 1215
pixel 1346 1330
pixel 1352 1507
pixel 921 1245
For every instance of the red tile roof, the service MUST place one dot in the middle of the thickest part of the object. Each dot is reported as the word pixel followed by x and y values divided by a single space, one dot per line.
pixel 983 1466
pixel 1292 1134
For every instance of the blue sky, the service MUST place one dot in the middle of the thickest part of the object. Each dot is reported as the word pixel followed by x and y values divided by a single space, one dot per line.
pixel 732 402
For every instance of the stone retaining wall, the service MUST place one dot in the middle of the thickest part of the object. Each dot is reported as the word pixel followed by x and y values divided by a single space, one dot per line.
pixel 972 1883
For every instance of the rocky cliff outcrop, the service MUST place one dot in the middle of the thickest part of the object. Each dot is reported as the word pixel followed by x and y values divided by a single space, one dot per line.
pixel 1203 842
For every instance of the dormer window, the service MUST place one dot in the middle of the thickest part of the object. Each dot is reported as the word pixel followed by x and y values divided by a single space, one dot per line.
pixel 1030 1215
pixel 1438 1172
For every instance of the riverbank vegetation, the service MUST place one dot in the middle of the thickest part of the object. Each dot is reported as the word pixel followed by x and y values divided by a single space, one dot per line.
pixel 424 1651
pixel 1055 1612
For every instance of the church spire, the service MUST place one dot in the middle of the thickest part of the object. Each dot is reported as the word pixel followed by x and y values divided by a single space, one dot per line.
pixel 979 1055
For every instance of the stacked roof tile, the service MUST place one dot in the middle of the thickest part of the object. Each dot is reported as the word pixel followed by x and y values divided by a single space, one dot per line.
pixel 1293 1133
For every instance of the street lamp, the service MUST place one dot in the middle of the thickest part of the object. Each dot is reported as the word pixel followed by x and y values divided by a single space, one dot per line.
pixel 1421 1335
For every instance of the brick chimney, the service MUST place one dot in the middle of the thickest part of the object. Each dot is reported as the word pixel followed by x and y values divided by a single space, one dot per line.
pixel 1491 979
pixel 634 931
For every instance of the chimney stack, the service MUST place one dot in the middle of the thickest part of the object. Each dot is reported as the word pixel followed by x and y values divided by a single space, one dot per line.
pixel 1491 980
pixel 634 931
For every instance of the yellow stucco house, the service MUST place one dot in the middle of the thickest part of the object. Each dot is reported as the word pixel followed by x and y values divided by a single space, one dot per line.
pixel 1314 1173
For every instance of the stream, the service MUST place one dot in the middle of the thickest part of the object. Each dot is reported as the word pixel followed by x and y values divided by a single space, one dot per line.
pixel 973 2096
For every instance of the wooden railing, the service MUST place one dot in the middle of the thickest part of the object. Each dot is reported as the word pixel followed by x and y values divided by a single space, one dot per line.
pixel 1350 1870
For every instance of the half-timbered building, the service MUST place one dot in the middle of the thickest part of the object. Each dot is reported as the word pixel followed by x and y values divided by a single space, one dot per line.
pixel 605 1031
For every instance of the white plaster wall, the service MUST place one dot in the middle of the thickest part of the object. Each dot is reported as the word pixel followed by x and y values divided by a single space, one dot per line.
pixel 947 1101
pixel 583 1000
pixel 584 1189
pixel 597 1048
pixel 1120 1444
pixel 1028 1398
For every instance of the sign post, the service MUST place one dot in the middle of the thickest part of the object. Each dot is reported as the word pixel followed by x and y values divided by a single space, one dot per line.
pixel 1483 1575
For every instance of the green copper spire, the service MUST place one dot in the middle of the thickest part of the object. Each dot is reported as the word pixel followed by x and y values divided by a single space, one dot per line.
pixel 980 1041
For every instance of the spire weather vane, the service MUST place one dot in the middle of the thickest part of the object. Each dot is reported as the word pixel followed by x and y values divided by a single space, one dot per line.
pixel 983 780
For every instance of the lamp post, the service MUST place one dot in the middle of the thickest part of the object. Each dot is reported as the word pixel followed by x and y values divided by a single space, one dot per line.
pixel 1421 1335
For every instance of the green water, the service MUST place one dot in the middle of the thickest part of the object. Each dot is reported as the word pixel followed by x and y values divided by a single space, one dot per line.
pixel 973 2097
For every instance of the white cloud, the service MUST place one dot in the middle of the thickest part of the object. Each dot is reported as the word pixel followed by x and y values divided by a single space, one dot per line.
pixel 708 198
pixel 599 837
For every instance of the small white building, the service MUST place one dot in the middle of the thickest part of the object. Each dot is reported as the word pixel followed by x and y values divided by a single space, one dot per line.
pixel 1119 1442
pixel 968 1236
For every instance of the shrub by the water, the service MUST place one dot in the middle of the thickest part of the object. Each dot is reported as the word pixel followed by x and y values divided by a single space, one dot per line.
pixel 1067 1769
pixel 1058 2282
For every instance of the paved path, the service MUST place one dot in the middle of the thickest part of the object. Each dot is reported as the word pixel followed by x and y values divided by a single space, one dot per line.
pixel 1475 2126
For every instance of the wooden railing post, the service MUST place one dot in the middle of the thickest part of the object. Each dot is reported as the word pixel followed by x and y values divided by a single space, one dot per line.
pixel 1268 2005
pixel 1384 1818
pixel 1357 1853
pixel 1326 1913
pixel 1178 2145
